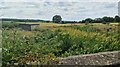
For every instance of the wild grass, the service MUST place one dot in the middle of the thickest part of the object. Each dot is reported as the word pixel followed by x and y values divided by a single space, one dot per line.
pixel 44 45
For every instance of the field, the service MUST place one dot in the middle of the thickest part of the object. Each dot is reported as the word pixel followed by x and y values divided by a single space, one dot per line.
pixel 50 41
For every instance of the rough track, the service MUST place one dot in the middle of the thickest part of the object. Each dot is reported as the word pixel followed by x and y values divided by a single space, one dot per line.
pixel 103 58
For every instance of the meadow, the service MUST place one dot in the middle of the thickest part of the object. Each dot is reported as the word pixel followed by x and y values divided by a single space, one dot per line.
pixel 50 41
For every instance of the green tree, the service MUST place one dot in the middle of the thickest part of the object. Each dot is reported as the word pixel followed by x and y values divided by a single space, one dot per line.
pixel 57 19
pixel 117 19
pixel 98 20
pixel 88 20
pixel 107 20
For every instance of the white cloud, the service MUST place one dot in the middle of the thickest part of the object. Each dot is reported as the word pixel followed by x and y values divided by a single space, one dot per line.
pixel 68 10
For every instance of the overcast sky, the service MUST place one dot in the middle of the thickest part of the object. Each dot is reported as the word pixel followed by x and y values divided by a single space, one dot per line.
pixel 68 9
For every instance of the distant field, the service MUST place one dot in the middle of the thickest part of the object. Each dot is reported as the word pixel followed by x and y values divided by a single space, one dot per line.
pixel 68 24
pixel 50 41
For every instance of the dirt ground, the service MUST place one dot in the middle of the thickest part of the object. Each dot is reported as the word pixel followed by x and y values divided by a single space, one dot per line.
pixel 103 58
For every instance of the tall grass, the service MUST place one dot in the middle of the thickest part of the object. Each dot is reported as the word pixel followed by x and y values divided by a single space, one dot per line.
pixel 43 46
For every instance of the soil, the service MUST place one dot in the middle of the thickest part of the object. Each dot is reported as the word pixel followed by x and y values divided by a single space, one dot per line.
pixel 103 58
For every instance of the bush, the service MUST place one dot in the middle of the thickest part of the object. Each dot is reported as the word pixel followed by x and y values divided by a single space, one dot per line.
pixel 9 25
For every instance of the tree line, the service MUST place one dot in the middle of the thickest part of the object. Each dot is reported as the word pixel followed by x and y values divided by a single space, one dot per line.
pixel 58 19
pixel 104 20
pixel 23 20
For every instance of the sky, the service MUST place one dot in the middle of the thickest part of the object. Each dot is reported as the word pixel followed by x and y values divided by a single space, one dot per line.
pixel 71 10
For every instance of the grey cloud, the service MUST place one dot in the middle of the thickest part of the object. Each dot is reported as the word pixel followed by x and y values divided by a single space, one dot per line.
pixel 69 10
pixel 19 12
pixel 110 5
pixel 47 4
pixel 64 4
pixel 65 9
pixel 3 7
pixel 40 13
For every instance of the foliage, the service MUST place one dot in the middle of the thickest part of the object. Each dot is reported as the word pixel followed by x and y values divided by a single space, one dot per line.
pixel 104 20
pixel 9 25
pixel 108 19
pixel 43 46
pixel 57 19
pixel 117 19
pixel 87 28
pixel 88 20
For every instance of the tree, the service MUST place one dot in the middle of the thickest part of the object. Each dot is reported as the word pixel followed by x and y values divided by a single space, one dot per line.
pixel 107 20
pixel 83 21
pixel 88 20
pixel 117 19
pixel 98 20
pixel 57 19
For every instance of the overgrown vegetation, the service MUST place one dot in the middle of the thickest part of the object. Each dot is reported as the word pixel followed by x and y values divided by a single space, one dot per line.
pixel 9 25
pixel 45 45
